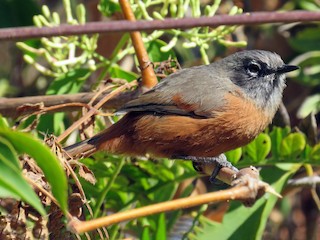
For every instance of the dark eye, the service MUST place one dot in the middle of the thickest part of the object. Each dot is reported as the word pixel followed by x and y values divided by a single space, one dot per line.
pixel 253 68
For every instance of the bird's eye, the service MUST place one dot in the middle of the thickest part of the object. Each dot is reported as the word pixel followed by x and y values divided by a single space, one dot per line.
pixel 253 68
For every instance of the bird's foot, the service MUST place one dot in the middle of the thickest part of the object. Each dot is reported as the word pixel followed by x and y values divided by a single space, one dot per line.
pixel 220 162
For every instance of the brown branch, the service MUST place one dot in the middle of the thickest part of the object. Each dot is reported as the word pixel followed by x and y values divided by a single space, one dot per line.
pixel 9 106
pixel 234 193
pixel 246 187
pixel 149 78
pixel 184 23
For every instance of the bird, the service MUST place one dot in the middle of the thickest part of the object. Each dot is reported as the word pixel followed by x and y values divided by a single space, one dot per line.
pixel 198 113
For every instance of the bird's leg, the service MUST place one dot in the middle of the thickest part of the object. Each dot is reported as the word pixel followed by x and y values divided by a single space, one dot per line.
pixel 220 161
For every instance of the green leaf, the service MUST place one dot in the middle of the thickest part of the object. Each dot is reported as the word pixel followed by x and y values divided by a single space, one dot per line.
pixel 12 183
pixel 276 136
pixel 108 8
pixel 315 153
pixel 117 72
pixel 165 192
pixel 145 233
pixel 3 123
pixel 161 233
pixel 306 40
pixel 309 72
pixel 308 5
pixel 258 150
pixel 309 105
pixel 161 171
pixel 234 156
pixel 70 82
pixel 50 165
pixel 292 145
pixel 248 222
pixel 8 152
pixel 155 54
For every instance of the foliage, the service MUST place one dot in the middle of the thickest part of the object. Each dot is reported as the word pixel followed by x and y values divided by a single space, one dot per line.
pixel 200 37
pixel 13 184
pixel 305 42
pixel 241 221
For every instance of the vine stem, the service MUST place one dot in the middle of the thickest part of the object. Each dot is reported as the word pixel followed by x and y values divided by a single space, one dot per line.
pixel 254 18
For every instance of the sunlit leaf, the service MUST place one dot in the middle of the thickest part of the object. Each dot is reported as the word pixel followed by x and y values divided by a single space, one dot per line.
pixel 155 54
pixel 234 156
pixel 315 153
pixel 117 72
pixel 3 123
pixel 259 148
pixel 276 136
pixel 161 233
pixel 51 167
pixel 292 145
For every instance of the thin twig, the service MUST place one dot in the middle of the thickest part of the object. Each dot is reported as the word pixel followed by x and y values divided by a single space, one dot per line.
pixel 184 23
pixel 92 111
pixel 149 78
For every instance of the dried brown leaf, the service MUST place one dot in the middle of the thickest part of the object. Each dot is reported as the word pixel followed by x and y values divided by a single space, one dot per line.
pixel 87 174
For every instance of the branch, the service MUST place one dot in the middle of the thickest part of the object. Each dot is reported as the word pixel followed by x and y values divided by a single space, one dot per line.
pixel 149 78
pixel 9 106
pixel 81 227
pixel 184 23
pixel 246 187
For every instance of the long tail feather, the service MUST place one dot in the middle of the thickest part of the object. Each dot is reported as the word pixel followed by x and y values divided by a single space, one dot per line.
pixel 83 149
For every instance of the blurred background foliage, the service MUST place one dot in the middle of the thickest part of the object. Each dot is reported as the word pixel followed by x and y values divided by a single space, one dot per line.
pixel 289 149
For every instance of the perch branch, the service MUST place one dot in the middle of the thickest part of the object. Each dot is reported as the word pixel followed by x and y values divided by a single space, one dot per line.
pixel 234 193
pixel 246 187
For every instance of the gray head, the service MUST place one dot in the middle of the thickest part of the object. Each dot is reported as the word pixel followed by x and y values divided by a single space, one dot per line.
pixel 260 74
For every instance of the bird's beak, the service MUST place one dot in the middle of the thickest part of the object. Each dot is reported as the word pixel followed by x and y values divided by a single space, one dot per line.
pixel 287 68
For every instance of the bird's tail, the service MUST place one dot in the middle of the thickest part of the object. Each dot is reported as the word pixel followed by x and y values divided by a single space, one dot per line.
pixel 84 148
pixel 117 139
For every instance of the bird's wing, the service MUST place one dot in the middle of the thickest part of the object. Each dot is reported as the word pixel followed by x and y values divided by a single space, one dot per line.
pixel 195 92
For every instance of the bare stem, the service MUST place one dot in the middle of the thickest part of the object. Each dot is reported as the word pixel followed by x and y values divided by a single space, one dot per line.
pixel 149 78
pixel 229 194
pixel 184 23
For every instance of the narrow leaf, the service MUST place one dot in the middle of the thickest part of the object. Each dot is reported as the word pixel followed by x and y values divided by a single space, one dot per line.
pixel 12 183
pixel 51 167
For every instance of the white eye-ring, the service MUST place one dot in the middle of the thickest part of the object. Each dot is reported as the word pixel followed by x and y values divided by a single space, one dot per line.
pixel 253 68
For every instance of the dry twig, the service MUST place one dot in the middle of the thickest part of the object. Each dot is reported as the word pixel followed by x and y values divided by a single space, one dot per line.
pixel 92 111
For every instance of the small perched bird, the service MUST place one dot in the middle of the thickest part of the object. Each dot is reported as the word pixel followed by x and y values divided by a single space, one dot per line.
pixel 198 113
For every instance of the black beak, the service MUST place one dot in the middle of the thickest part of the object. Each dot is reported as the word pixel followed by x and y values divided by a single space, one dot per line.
pixel 286 68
